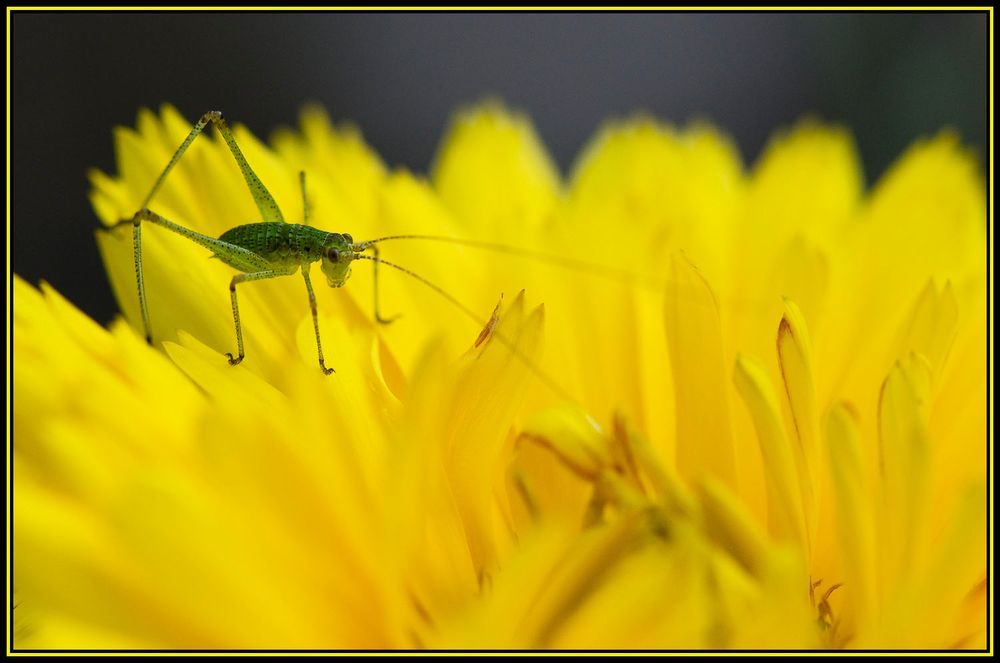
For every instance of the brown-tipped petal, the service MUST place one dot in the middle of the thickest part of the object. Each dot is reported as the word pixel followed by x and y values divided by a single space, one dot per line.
pixel 784 495
pixel 795 358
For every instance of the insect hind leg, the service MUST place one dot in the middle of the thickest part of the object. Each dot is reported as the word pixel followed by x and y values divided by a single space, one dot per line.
pixel 233 254
pixel 265 202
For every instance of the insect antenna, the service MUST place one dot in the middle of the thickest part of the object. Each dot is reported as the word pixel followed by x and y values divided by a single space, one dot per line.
pixel 649 283
pixel 607 271
pixel 472 315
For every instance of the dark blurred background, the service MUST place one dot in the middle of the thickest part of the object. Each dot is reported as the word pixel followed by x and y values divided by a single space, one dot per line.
pixel 73 76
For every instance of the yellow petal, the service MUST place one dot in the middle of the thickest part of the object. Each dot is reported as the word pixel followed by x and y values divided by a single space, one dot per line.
pixel 936 187
pixel 786 519
pixel 807 181
pixel 627 609
pixel 593 556
pixel 728 524
pixel 930 209
pixel 704 437
pixel 650 189
pixel 904 454
pixel 856 522
pixel 493 173
pixel 577 440
pixel 795 356
pixel 924 612
pixel 930 328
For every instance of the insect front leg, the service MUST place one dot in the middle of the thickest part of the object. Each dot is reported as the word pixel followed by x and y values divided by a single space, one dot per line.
pixel 241 278
pixel 312 307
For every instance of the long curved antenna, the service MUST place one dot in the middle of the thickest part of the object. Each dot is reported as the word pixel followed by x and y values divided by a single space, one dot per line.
pixel 606 271
pixel 469 313
pixel 649 283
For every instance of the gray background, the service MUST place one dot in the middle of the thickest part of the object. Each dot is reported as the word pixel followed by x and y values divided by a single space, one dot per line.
pixel 890 77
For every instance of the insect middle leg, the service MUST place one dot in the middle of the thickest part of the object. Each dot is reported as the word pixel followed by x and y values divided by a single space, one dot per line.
pixel 241 278
pixel 378 314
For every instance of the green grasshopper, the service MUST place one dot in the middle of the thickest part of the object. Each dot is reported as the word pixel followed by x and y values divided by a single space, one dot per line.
pixel 273 248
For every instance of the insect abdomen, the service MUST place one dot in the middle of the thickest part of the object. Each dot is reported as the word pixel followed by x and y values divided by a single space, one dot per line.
pixel 278 243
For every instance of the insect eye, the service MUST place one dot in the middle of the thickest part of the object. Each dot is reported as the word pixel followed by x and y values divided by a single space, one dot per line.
pixel 333 255
pixel 348 239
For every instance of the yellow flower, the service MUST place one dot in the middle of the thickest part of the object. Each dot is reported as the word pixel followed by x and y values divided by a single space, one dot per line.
pixel 757 420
